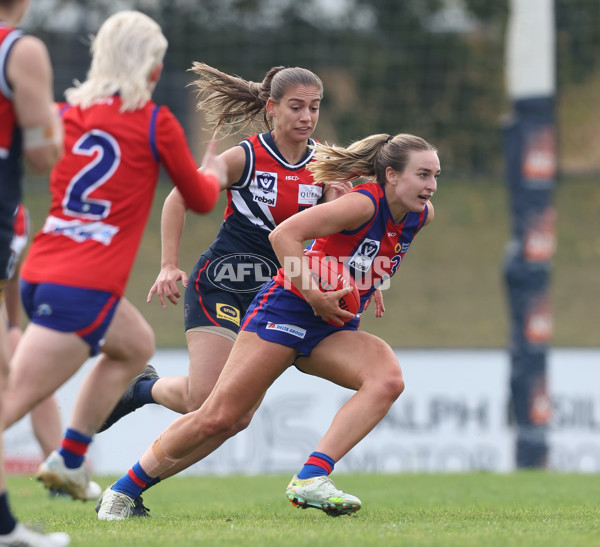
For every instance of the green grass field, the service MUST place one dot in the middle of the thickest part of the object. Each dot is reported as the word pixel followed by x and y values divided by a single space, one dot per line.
pixel 449 292
pixel 520 509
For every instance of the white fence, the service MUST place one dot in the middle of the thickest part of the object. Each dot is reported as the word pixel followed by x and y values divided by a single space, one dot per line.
pixel 452 417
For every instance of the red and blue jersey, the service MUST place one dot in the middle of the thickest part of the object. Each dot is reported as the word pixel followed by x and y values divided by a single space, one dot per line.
pixel 269 191
pixel 102 191
pixel 372 252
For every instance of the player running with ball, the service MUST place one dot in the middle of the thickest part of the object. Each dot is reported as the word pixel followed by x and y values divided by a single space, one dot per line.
pixel 375 221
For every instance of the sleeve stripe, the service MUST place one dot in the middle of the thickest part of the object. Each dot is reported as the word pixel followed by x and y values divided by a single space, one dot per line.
pixel 153 133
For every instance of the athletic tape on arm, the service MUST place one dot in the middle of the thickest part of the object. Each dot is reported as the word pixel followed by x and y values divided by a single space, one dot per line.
pixel 40 135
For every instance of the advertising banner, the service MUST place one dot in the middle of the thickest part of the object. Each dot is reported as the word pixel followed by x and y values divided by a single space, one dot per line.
pixel 452 417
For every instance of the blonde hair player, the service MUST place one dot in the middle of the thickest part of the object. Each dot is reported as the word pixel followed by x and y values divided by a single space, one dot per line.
pixel 292 322
pixel 74 276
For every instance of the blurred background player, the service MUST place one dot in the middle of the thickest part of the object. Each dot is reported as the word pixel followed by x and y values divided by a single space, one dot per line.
pixel 371 228
pixel 268 181
pixel 76 270
pixel 29 127
pixel 45 417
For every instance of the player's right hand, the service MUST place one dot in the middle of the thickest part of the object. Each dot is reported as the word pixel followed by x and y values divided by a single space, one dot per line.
pixel 326 305
pixel 166 285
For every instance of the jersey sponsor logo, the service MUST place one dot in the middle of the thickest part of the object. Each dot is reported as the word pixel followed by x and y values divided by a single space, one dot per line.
pixel 309 194
pixel 79 230
pixel 240 272
pixel 292 177
pixel 289 329
pixel 228 313
pixel 264 189
pixel 401 248
pixel 362 259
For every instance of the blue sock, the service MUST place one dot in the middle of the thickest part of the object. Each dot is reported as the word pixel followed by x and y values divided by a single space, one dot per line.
pixel 134 482
pixel 73 448
pixel 151 483
pixel 318 464
pixel 142 392
pixel 7 521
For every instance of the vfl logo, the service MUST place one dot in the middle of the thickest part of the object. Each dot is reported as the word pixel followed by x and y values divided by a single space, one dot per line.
pixel 240 273
pixel 228 313
pixel 365 254
pixel 266 180
pixel 265 190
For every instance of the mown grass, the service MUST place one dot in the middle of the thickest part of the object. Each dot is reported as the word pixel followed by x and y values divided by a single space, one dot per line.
pixel 450 291
pixel 521 509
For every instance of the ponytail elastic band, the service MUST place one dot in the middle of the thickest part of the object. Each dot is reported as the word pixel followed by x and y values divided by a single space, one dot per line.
pixel 390 137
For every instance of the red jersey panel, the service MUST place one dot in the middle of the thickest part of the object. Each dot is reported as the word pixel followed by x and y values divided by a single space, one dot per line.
pixel 102 191
pixel 8 36
pixel 11 168
pixel 271 190
pixel 373 252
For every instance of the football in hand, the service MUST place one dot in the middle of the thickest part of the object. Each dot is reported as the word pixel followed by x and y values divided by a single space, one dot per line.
pixel 331 275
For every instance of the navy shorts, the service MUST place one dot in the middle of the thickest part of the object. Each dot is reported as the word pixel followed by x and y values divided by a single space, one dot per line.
pixel 278 315
pixel 86 312
pixel 220 289
pixel 20 227
pixel 7 215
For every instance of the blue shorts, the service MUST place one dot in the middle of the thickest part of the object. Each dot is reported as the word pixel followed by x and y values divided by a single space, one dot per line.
pixel 213 299
pixel 86 312
pixel 278 315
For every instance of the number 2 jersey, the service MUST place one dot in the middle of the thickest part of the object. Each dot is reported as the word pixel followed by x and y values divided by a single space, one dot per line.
pixel 102 191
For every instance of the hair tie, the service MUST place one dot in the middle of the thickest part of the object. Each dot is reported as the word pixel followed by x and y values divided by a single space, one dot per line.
pixel 390 137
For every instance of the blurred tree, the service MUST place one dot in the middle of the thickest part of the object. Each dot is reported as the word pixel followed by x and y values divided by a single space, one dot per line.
pixel 578 39
pixel 432 67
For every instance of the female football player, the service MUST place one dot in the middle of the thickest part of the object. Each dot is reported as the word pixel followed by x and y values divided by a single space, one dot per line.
pixel 370 229
pixel 268 181
pixel 45 417
pixel 29 129
pixel 74 276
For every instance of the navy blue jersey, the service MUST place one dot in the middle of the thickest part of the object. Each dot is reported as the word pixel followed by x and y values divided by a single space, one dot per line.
pixel 269 191
pixel 229 274
pixel 11 167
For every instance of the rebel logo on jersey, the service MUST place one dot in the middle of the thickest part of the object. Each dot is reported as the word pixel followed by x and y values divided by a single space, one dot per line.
pixel 266 188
